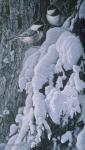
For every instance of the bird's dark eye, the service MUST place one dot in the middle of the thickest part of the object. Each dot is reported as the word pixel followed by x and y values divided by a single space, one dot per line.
pixel 38 22
pixel 41 28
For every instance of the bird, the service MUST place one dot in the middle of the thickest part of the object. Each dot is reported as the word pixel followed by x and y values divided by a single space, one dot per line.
pixel 54 16
pixel 31 35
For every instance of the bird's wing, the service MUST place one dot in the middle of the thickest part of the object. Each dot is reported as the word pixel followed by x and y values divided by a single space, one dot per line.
pixel 27 33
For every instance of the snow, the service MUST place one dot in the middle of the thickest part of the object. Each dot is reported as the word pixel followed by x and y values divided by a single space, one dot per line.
pixel 82 10
pixel 65 101
pixel 81 137
pixel 11 142
pixel 82 102
pixel 28 103
pixel 2 146
pixel 28 70
pixel 21 146
pixel 40 106
pixel 58 67
pixel 29 52
pixel 48 89
pixel 18 119
pixel 81 140
pixel 23 130
pixel 40 112
pixel 61 48
pixel 20 110
pixel 56 105
pixel 72 100
pixel 79 84
pixel 66 137
pixel 41 71
pixel 55 143
pixel 70 50
pixel 59 82
pixel 51 37
pixel 13 129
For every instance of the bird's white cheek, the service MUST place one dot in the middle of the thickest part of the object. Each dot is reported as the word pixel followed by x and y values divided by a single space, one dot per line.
pixel 50 12
pixel 35 27
pixel 53 20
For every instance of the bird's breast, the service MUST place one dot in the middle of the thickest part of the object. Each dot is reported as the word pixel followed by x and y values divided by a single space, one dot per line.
pixel 33 39
pixel 55 20
pixel 49 12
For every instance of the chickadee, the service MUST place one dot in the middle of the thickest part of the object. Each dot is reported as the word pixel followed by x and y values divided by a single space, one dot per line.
pixel 32 35
pixel 54 16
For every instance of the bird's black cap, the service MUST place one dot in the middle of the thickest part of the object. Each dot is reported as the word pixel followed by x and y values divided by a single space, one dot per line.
pixel 39 22
pixel 52 7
